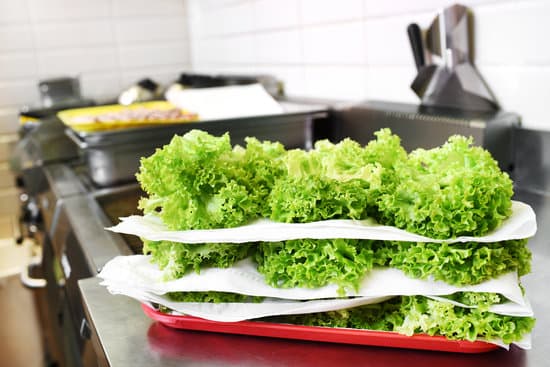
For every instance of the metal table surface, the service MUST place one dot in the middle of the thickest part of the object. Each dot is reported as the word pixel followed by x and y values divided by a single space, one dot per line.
pixel 124 336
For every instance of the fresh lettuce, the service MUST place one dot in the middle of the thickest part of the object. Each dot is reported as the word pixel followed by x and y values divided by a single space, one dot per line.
pixel 306 200
pixel 345 262
pixel 315 263
pixel 417 314
pixel 340 180
pixel 200 181
pixel 457 263
pixel 212 297
pixel 196 182
pixel 482 300
pixel 406 315
pixel 453 190
pixel 263 164
pixel 178 259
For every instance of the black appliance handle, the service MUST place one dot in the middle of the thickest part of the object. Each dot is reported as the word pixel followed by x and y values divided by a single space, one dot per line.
pixel 415 38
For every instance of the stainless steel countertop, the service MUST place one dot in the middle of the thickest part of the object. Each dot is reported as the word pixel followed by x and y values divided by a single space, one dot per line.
pixel 124 336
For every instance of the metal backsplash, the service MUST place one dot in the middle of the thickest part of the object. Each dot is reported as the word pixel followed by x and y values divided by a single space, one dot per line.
pixel 420 127
pixel 532 160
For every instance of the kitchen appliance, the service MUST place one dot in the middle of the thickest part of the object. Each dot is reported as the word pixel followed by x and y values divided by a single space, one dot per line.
pixel 61 92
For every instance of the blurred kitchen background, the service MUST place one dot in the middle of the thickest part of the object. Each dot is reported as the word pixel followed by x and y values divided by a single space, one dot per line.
pixel 345 51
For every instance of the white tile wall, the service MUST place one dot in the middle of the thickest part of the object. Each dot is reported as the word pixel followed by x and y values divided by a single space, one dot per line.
pixel 514 33
pixel 17 92
pixel 279 47
pixel 73 34
pixel 345 50
pixel 346 82
pixel 156 29
pixel 358 49
pixel 13 11
pixel 67 10
pixel 15 37
pixel 335 44
pixel 109 44
pixel 324 11
pixel 76 61
pixel 19 64
pixel 147 8
pixel 270 14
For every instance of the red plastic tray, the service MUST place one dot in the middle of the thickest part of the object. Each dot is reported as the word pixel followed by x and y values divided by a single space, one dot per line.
pixel 322 334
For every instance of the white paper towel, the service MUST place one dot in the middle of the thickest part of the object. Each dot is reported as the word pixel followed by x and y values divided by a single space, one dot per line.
pixel 225 102
pixel 136 274
pixel 136 277
pixel 521 224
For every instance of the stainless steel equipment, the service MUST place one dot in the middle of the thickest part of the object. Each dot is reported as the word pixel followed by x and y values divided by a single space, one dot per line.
pixel 74 246
pixel 113 156
pixel 427 127
pixel 63 91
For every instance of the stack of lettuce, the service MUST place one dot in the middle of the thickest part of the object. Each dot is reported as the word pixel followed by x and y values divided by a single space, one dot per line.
pixel 343 235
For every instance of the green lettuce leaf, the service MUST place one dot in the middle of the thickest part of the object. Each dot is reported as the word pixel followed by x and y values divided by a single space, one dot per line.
pixel 212 297
pixel 332 181
pixel 199 181
pixel 457 263
pixel 262 164
pixel 482 300
pixel 314 263
pixel 453 190
pixel 178 259
pixel 416 314
pixel 196 182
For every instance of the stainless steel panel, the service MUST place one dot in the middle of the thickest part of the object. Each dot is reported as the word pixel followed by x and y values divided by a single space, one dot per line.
pixel 533 160
pixel 422 127
pixel 113 156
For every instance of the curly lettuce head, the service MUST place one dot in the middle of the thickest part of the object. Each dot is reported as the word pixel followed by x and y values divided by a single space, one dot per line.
pixel 313 263
pixel 195 182
pixel 263 163
pixel 178 259
pixel 453 190
pixel 331 181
